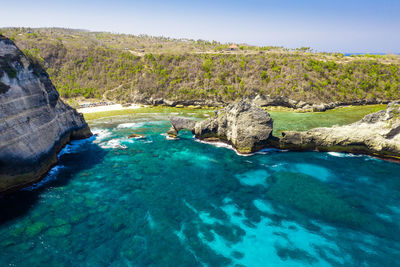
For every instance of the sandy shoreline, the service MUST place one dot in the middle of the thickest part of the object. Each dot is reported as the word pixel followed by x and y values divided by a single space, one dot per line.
pixel 107 108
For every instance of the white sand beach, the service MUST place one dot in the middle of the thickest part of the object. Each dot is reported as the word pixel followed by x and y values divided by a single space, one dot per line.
pixel 107 108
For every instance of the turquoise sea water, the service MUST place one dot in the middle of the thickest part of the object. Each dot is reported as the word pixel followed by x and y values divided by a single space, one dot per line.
pixel 114 201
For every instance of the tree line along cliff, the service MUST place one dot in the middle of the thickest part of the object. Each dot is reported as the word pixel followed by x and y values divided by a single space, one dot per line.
pixel 128 68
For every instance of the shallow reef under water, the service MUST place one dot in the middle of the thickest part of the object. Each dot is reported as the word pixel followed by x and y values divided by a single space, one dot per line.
pixel 116 201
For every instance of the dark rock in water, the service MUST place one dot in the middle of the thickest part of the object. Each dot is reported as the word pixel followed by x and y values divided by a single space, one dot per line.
pixel 35 123
pixel 172 132
pixel 243 124
pixel 179 123
pixel 377 134
pixel 136 136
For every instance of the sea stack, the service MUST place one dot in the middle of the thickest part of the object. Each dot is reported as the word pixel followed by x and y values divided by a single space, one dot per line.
pixel 243 124
pixel 34 122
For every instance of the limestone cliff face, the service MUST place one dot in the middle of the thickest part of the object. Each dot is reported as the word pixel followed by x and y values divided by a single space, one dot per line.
pixel 377 134
pixel 34 123
pixel 179 123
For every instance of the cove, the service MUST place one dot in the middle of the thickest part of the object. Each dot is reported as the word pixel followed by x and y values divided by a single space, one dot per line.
pixel 116 201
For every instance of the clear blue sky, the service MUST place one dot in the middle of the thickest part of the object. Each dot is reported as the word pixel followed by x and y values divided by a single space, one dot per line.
pixel 340 25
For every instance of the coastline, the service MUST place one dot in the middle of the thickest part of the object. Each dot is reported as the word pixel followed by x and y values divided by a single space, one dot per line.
pixel 282 118
pixel 223 144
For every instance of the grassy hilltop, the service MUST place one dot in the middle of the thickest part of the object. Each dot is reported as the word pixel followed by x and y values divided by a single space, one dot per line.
pixel 122 67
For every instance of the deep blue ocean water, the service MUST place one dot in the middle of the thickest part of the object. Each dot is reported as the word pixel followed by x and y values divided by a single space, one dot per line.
pixel 115 201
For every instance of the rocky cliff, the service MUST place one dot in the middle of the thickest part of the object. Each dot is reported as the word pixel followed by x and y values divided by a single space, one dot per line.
pixel 248 128
pixel 243 124
pixel 179 123
pixel 34 123
pixel 377 134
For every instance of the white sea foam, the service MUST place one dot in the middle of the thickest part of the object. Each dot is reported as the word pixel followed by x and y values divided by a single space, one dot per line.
pixel 130 125
pixel 113 143
pixel 223 145
pixel 74 146
pixel 269 150
pixel 345 155
pixel 169 137
pixel 337 154
pixel 101 134
pixel 104 139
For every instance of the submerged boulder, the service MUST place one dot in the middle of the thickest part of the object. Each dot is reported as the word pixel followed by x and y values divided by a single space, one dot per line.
pixel 376 134
pixel 243 124
pixel 35 122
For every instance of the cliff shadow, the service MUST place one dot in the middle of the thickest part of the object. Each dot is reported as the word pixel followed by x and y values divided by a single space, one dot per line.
pixel 73 159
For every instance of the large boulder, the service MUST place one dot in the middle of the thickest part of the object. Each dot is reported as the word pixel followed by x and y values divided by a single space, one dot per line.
pixel 243 124
pixel 34 123
pixel 376 134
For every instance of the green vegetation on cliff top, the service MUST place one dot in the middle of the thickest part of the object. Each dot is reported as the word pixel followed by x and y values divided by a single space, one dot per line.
pixel 126 67
pixel 294 121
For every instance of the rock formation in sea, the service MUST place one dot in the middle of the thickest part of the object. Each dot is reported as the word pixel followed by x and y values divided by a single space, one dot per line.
pixel 34 122
pixel 377 134
pixel 179 123
pixel 243 124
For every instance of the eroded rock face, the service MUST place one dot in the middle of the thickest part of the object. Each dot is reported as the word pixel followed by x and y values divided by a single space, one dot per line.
pixel 243 124
pixel 377 134
pixel 179 123
pixel 34 123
